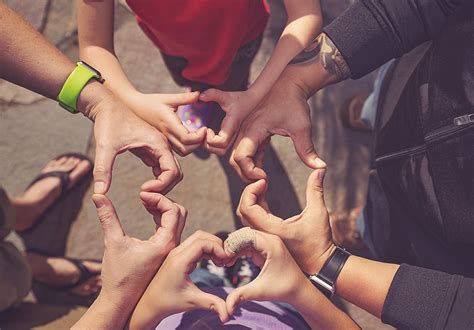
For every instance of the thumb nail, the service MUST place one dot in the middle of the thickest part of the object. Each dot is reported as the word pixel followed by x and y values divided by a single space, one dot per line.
pixel 99 187
pixel 319 163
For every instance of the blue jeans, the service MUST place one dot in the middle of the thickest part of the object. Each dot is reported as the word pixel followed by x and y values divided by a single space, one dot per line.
pixel 368 114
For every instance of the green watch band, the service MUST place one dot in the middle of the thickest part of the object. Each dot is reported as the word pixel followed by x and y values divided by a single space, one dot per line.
pixel 75 83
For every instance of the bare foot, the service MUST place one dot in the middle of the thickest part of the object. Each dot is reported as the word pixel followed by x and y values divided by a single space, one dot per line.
pixel 59 272
pixel 45 192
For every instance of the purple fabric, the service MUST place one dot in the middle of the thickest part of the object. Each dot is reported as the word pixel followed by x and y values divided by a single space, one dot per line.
pixel 250 315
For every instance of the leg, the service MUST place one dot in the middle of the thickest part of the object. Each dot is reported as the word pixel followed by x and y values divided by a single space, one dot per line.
pixel 41 195
pixel 15 276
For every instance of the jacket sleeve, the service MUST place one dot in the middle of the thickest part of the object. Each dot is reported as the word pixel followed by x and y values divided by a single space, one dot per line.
pixel 420 298
pixel 371 32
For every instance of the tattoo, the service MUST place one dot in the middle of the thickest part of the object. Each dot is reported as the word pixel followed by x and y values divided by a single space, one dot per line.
pixel 323 50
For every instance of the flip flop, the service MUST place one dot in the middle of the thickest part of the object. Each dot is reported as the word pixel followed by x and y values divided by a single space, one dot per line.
pixel 85 274
pixel 63 176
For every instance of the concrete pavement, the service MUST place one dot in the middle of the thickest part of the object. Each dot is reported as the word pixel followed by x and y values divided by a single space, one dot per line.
pixel 34 130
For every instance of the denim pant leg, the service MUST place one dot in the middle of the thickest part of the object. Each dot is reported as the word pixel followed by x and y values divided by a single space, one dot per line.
pixel 369 110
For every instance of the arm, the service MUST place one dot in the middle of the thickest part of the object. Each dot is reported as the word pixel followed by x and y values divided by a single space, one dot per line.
pixel 303 24
pixel 96 30
pixel 29 60
pixel 404 296
pixel 371 32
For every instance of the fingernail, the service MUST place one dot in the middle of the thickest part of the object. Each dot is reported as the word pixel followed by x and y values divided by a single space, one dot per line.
pixel 319 163
pixel 99 187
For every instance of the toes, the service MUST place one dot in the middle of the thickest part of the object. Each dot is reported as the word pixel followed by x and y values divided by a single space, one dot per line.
pixel 90 287
pixel 93 266
pixel 81 168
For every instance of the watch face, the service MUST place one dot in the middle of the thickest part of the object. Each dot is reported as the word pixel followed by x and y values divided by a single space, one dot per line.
pixel 90 68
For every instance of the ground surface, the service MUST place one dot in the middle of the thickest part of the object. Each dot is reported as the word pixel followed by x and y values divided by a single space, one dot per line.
pixel 34 130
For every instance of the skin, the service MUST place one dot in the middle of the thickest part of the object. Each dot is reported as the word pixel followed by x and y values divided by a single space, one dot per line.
pixel 303 23
pixel 129 263
pixel 172 281
pixel 284 110
pixel 308 237
pixel 96 21
pixel 96 46
pixel 30 61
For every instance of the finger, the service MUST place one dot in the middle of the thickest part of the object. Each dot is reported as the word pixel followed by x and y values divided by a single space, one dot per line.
pixel 211 302
pixel 198 235
pixel 314 189
pixel 181 223
pixel 104 160
pixel 169 175
pixel 229 127
pixel 305 149
pixel 181 148
pixel 194 252
pixel 108 218
pixel 244 154
pixel 186 137
pixel 176 100
pixel 242 294
pixel 214 95
pixel 215 150
pixel 253 213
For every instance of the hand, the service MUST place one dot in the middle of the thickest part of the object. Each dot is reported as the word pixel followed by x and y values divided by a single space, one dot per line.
pixel 268 252
pixel 284 111
pixel 307 235
pixel 129 263
pixel 237 106
pixel 118 129
pixel 171 291
pixel 159 110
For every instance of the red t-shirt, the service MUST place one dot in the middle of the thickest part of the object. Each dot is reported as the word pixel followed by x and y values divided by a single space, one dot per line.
pixel 207 33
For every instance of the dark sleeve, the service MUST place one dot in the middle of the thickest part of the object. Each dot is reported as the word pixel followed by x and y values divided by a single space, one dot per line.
pixel 420 298
pixel 371 32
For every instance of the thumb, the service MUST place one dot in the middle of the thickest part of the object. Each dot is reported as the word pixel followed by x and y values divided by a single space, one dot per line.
pixel 108 218
pixel 104 160
pixel 213 303
pixel 314 188
pixel 240 295
pixel 214 95
pixel 305 149
pixel 176 100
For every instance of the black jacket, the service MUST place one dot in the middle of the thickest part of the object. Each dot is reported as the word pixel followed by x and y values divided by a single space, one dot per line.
pixel 425 161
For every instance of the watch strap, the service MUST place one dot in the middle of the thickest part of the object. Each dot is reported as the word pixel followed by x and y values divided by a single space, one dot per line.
pixel 75 83
pixel 327 276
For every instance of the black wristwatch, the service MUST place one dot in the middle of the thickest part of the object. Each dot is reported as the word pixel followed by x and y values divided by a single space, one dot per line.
pixel 326 278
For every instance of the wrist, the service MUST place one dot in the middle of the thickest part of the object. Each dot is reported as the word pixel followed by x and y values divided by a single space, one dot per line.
pixel 91 96
pixel 317 261
pixel 104 313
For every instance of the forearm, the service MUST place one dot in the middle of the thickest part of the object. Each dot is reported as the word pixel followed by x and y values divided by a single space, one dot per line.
pixel 109 66
pixel 304 23
pixel 365 283
pixel 104 314
pixel 145 315
pixel 319 312
pixel 96 46
pixel 371 32
pixel 28 59
pixel 318 66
